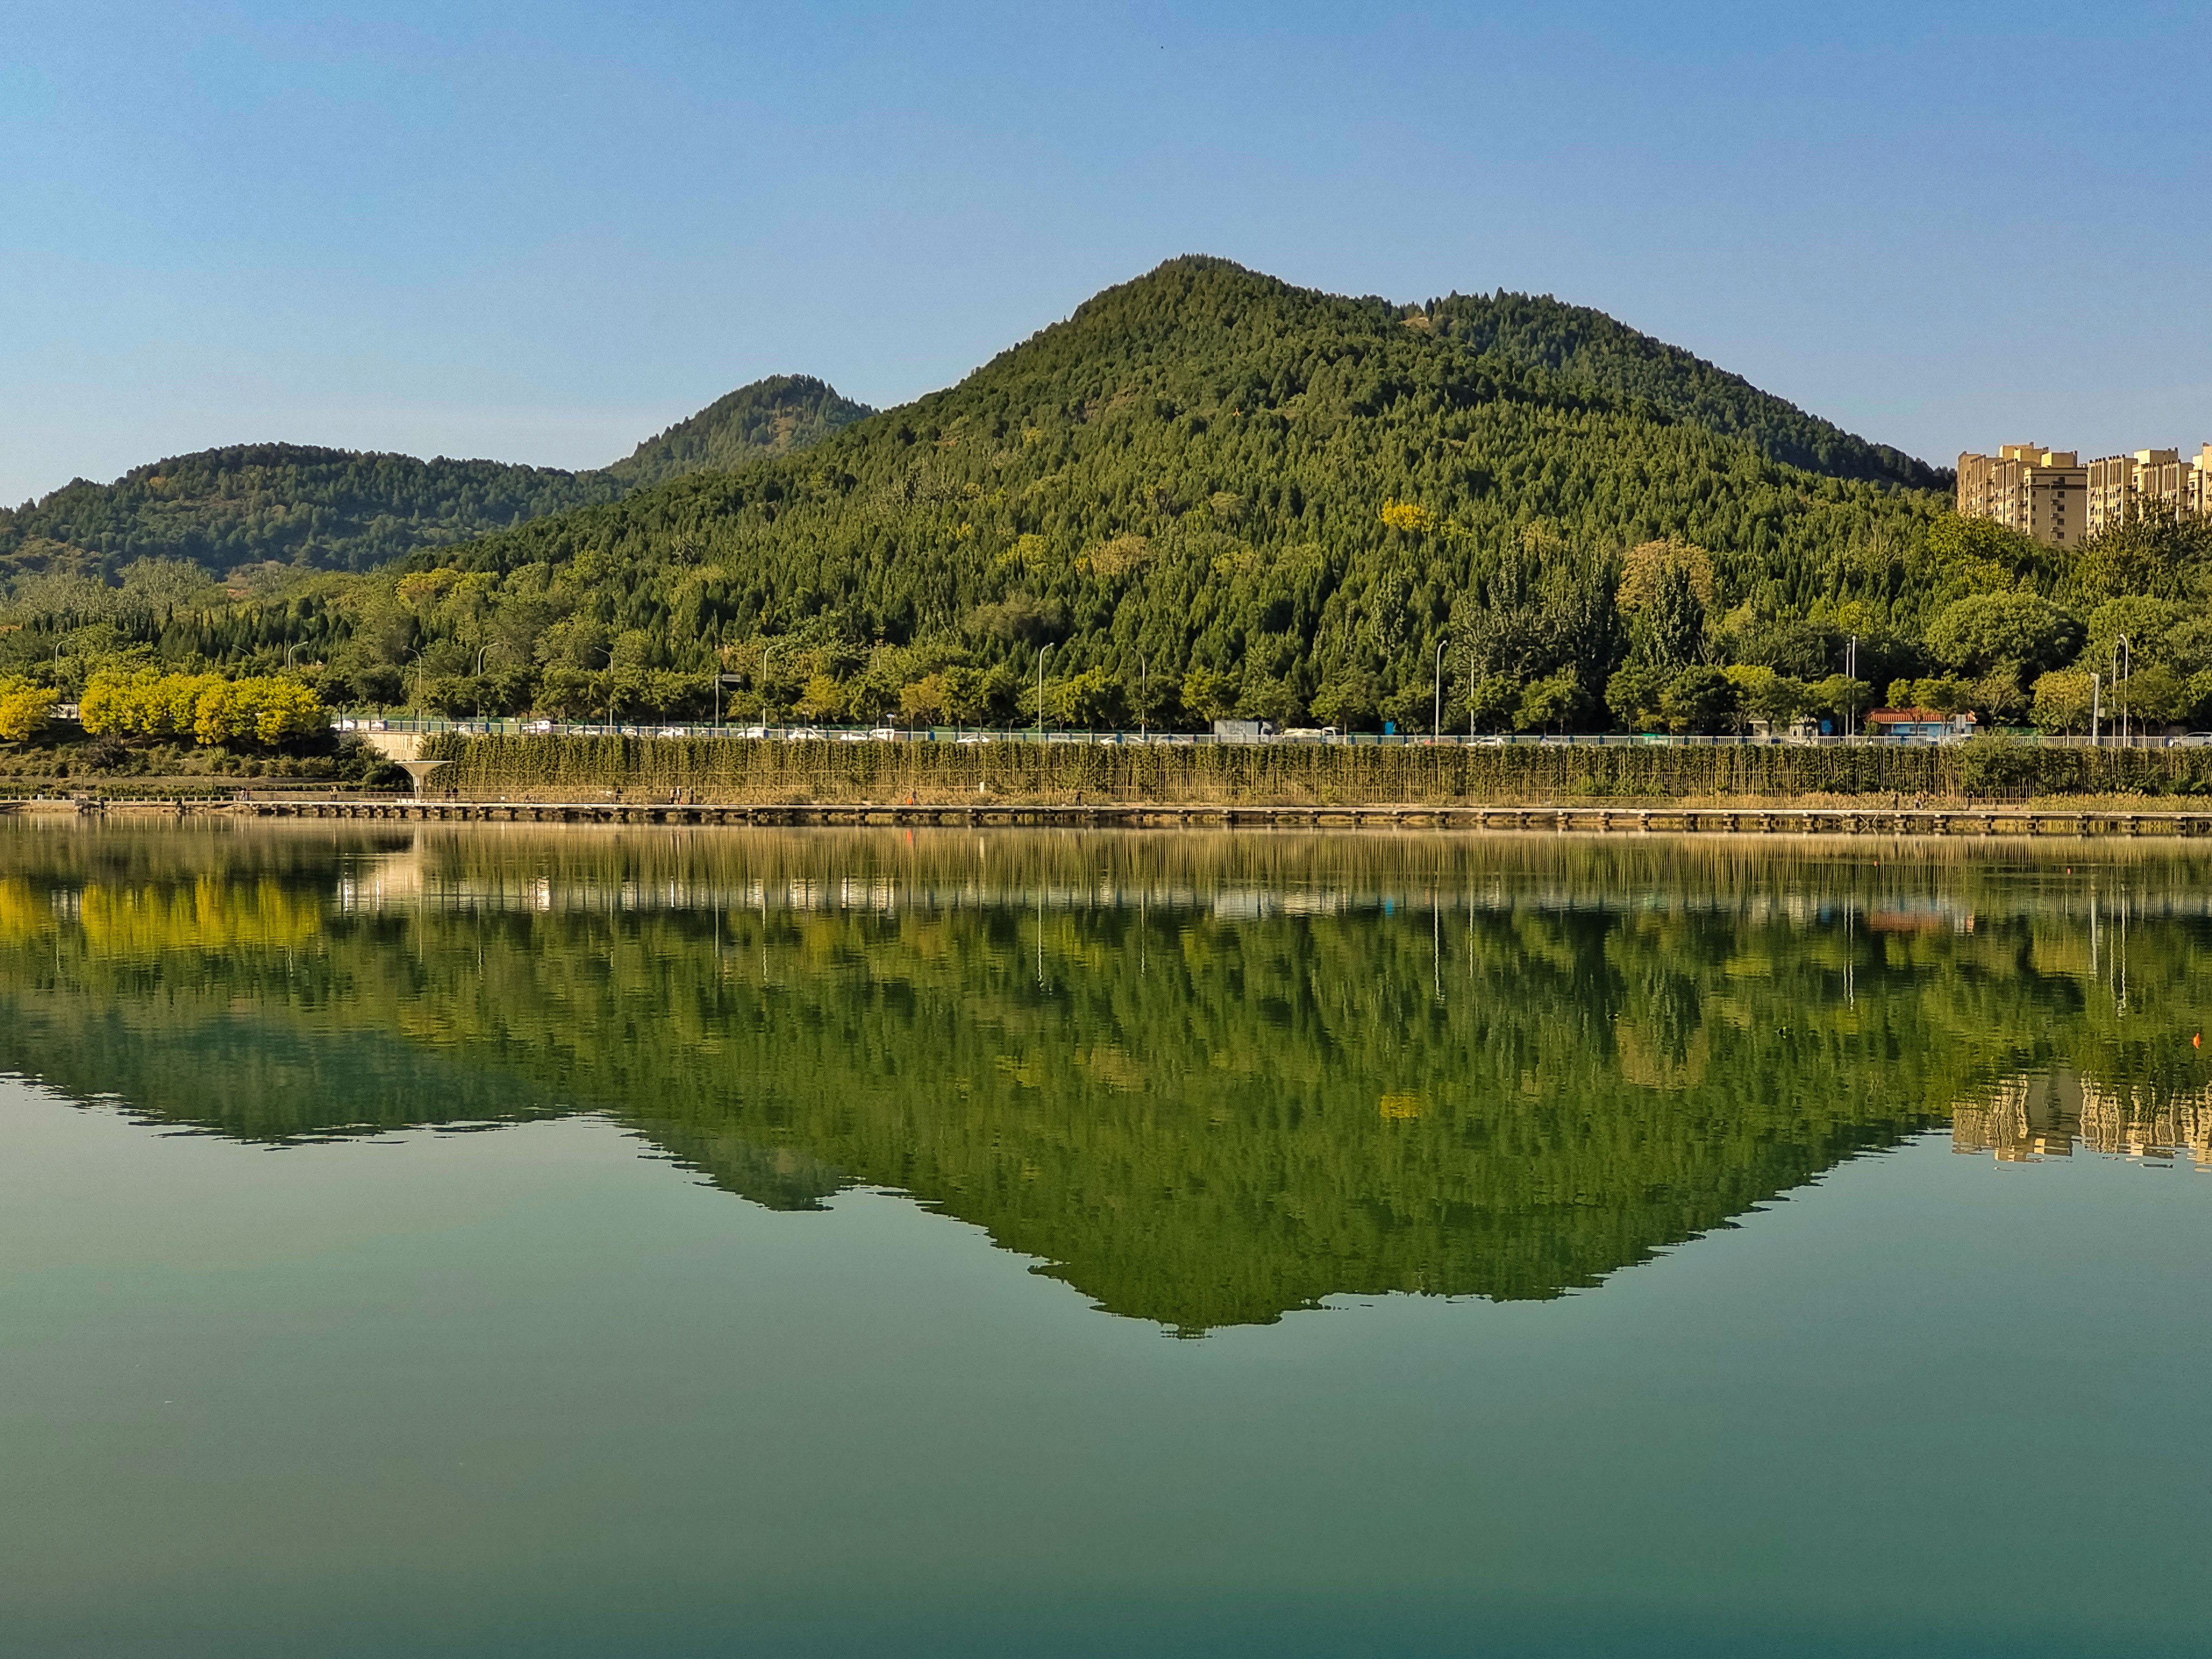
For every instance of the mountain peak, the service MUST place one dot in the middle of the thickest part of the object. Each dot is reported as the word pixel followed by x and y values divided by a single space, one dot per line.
pixel 770 416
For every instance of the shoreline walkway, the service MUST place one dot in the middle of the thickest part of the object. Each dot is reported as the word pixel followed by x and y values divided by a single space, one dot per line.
pixel 2014 820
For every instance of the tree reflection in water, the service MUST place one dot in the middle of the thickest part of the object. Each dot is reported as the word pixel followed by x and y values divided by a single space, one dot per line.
pixel 1202 1079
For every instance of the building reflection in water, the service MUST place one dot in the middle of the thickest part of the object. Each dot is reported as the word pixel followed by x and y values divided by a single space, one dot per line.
pixel 2047 1115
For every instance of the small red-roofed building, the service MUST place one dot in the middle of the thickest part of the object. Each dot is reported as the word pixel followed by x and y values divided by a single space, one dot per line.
pixel 1922 725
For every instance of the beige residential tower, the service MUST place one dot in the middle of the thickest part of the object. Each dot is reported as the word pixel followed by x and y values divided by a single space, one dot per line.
pixel 2050 494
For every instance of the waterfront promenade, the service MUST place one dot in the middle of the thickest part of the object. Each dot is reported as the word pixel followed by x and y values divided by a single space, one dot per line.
pixel 1678 818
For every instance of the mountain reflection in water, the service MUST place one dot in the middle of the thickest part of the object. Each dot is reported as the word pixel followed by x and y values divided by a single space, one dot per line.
pixel 1203 1079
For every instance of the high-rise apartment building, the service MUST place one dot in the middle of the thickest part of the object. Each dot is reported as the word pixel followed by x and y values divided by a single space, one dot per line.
pixel 2048 494
pixel 2148 476
pixel 2043 492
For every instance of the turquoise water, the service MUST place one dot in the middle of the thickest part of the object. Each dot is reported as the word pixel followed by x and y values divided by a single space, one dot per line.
pixel 866 1244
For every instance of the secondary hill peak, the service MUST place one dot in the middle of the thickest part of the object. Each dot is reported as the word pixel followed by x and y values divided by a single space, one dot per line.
pixel 304 505
pixel 771 416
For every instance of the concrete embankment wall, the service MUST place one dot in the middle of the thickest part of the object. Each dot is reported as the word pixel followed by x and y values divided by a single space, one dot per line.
pixel 736 770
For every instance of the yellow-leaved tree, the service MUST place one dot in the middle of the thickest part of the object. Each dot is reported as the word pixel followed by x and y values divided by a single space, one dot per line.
pixel 23 708
pixel 266 709
pixel 824 697
pixel 1408 516
pixel 286 711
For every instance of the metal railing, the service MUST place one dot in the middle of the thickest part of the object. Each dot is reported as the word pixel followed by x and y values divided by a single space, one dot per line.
pixel 1292 736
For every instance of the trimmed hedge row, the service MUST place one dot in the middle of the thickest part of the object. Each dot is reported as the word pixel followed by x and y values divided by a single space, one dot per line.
pixel 733 769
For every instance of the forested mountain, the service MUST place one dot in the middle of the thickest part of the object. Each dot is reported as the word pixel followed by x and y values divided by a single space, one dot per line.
pixel 340 509
pixel 769 417
pixel 1587 345
pixel 1208 492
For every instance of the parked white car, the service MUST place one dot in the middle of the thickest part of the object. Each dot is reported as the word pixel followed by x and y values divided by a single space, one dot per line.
pixel 538 728
pixel 754 731
pixel 973 737
pixel 886 735
pixel 804 734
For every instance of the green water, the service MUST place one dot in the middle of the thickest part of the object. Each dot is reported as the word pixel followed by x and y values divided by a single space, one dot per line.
pixel 511 1242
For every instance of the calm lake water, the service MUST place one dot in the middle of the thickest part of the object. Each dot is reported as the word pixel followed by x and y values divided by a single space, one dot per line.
pixel 490 1242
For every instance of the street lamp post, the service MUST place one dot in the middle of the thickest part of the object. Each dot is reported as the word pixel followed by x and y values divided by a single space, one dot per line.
pixel 1437 715
pixel 767 650
pixel 609 654
pixel 1042 655
pixel 2124 668
pixel 1144 693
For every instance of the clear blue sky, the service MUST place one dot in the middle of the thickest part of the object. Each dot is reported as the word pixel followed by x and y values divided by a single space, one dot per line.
pixel 540 232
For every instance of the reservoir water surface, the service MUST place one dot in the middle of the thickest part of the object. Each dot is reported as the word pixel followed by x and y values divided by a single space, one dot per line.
pixel 491 1240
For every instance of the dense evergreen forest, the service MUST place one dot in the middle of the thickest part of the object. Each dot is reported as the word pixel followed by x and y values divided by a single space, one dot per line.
pixel 1202 1079
pixel 1209 493
pixel 774 417
pixel 238 511
pixel 1587 345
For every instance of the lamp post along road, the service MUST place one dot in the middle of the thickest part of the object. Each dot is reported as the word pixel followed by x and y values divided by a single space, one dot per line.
pixel 1042 655
pixel 768 651
pixel 2124 664
pixel 1436 714
pixel 610 656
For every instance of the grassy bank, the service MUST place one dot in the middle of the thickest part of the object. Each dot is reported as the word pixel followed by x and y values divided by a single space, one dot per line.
pixel 736 770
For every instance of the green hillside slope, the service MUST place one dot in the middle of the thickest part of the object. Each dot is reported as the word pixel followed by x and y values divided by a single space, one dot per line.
pixel 339 509
pixel 1281 500
pixel 252 504
pixel 1587 345
pixel 769 417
